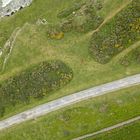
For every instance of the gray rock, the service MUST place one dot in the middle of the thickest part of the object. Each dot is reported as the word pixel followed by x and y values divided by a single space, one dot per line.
pixel 7 9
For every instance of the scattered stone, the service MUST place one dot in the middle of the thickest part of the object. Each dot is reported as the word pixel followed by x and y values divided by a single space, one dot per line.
pixel 42 22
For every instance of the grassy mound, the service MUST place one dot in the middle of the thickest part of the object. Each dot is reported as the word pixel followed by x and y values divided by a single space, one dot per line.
pixel 34 82
pixel 115 36
pixel 131 58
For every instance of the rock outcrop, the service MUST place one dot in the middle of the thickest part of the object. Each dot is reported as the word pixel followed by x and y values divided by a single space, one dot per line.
pixel 13 7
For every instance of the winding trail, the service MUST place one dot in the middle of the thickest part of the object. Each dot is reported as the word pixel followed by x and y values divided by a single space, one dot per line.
pixel 69 100
pixel 10 44
pixel 109 128
pixel 125 52
pixel 109 17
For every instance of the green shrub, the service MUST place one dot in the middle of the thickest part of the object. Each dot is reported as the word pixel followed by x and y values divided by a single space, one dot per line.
pixel 54 32
pixel 122 31
pixel 35 82
pixel 132 57
pixel 83 19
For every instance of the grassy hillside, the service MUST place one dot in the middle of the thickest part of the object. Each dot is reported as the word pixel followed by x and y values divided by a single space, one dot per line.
pixel 58 47
pixel 81 118
pixel 31 44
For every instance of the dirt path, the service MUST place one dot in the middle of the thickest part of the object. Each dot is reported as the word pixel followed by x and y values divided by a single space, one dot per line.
pixel 110 16
pixel 109 128
pixel 69 100
pixel 10 44
pixel 125 52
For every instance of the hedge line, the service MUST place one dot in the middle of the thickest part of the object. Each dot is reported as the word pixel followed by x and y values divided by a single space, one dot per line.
pixel 35 82
pixel 122 31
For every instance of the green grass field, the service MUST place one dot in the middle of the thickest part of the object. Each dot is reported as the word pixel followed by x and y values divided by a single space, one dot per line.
pixel 33 45
pixel 81 118
pixel 130 132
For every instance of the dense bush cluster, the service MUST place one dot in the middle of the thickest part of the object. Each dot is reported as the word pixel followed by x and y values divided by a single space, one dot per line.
pixel 132 57
pixel 34 83
pixel 81 17
pixel 122 31
pixel 54 32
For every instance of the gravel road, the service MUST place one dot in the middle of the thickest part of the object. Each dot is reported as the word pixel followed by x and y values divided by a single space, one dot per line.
pixel 69 100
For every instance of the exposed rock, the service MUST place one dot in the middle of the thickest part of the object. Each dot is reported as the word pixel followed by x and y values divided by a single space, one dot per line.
pixel 42 22
pixel 7 9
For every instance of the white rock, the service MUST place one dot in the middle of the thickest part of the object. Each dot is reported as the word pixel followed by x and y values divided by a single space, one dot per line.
pixel 7 7
pixel 5 2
